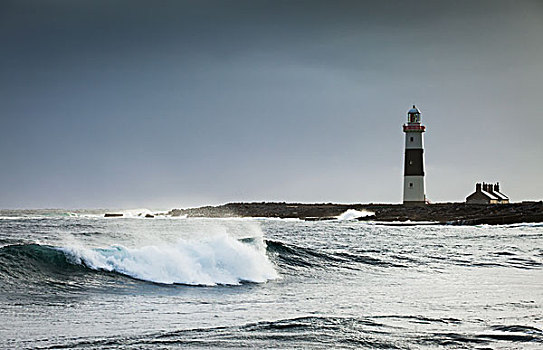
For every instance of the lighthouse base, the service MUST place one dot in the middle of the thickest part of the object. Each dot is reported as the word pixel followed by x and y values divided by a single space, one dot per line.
pixel 413 190
pixel 414 203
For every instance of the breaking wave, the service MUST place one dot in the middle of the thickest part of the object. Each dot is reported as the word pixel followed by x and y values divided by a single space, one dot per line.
pixel 216 260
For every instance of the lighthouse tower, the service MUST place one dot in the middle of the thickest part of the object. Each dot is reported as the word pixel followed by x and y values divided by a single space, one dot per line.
pixel 413 183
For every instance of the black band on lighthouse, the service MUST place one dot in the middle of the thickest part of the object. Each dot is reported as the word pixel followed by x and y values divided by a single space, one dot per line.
pixel 413 162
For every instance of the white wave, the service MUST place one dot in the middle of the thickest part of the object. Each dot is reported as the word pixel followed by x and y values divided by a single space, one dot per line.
pixel 351 214
pixel 18 217
pixel 132 213
pixel 34 217
pixel 219 259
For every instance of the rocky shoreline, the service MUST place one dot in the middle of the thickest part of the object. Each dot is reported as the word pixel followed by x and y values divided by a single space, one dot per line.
pixel 443 213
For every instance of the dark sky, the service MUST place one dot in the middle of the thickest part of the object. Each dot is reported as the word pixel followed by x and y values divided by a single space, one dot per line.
pixel 183 103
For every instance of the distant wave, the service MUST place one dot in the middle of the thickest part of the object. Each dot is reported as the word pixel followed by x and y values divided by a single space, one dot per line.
pixel 352 214
pixel 33 214
pixel 134 213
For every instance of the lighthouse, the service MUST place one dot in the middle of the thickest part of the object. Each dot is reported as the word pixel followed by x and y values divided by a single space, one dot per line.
pixel 413 176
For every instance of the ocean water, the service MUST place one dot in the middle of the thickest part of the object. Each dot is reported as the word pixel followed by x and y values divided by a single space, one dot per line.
pixel 77 280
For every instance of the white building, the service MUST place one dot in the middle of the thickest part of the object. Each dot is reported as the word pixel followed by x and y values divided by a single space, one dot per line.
pixel 487 194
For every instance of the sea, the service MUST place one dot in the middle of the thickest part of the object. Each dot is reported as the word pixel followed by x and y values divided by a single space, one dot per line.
pixel 73 279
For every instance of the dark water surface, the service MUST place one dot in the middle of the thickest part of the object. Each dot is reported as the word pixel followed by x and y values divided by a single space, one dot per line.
pixel 78 280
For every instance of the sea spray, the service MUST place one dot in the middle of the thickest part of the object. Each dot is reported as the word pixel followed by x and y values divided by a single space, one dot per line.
pixel 217 259
pixel 352 214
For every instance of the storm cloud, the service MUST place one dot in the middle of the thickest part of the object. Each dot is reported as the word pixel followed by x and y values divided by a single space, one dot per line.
pixel 182 103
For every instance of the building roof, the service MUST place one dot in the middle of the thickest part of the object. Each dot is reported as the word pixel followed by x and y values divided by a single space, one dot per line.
pixel 414 110
pixel 489 195
pixel 500 195
pixel 487 192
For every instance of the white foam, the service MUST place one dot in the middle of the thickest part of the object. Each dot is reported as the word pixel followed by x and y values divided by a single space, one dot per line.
pixel 351 214
pixel 217 259
pixel 132 213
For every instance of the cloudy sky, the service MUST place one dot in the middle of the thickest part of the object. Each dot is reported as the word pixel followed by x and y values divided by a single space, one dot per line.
pixel 182 103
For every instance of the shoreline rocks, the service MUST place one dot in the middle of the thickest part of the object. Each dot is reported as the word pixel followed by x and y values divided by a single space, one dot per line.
pixel 444 213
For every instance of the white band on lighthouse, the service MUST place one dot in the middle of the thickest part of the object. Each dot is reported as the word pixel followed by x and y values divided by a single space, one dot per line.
pixel 413 189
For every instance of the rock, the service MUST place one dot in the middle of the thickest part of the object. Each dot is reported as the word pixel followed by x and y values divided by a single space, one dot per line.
pixel 149 216
pixel 112 215
pixel 446 213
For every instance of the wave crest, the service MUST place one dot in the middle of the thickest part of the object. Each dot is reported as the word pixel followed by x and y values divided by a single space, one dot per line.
pixel 215 260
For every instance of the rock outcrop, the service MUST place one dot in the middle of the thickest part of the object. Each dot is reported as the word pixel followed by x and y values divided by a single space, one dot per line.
pixel 445 213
